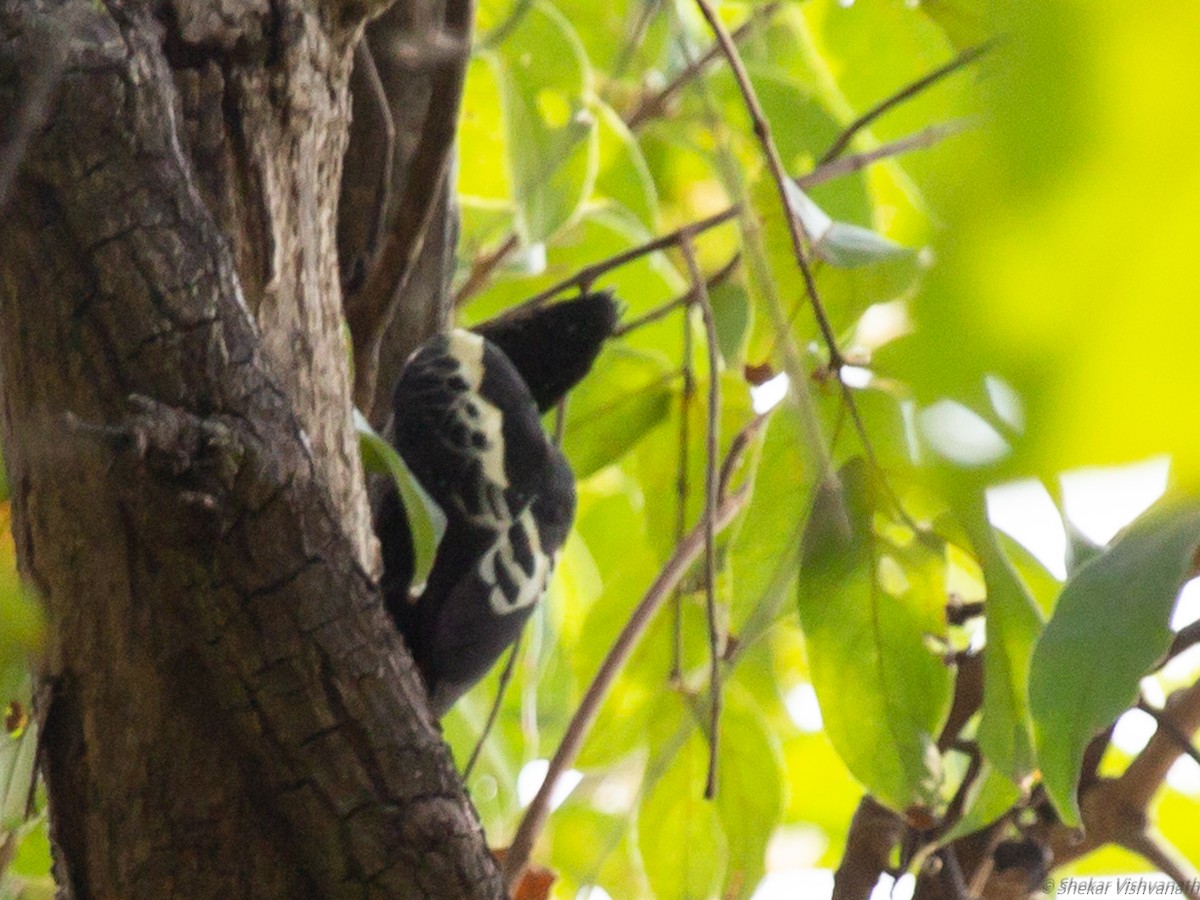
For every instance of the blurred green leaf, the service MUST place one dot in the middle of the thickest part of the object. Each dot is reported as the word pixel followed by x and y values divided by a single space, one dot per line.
pixel 622 174
pixel 1109 629
pixel 1013 624
pixel 18 757
pixel 990 796
pixel 731 315
pixel 965 22
pixel 627 394
pixel 751 791
pixel 1099 348
pixel 679 835
pixel 481 127
pixel 550 132
pixel 868 607
pixel 847 246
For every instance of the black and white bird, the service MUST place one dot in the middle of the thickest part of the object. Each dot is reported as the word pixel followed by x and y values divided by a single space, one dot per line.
pixel 467 425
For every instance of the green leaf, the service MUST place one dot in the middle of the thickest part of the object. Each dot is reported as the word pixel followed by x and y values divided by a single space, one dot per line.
pixel 855 266
pixel 551 133
pixel 18 755
pixel 750 790
pixel 1013 624
pixel 840 244
pixel 731 316
pixel 481 127
pixel 627 393
pixel 622 174
pixel 988 798
pixel 426 520
pixel 679 834
pixel 849 246
pixel 1109 629
pixel 869 604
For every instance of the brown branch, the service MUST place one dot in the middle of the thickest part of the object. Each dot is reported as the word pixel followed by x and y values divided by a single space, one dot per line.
pixel 365 264
pixel 1181 716
pixel 1186 637
pixel 711 500
pixel 1160 854
pixel 370 310
pixel 874 831
pixel 1114 809
pixel 907 92
pixel 1170 730
pixel 483 267
pixel 584 717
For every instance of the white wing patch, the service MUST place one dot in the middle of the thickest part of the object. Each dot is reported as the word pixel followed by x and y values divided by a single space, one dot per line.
pixel 499 566
pixel 515 568
pixel 473 411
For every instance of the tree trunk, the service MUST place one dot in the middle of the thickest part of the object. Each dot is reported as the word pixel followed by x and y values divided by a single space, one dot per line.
pixel 225 709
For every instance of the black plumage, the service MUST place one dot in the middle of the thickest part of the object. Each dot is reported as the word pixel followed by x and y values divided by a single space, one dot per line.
pixel 554 346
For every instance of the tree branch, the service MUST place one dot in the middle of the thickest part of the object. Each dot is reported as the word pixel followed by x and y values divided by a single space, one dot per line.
pixel 965 58
pixel 584 717
pixel 371 307
pixel 711 501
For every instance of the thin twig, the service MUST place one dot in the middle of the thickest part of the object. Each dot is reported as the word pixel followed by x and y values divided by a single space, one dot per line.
pixel 686 298
pixel 682 482
pixel 482 269
pixel 686 553
pixel 635 38
pixel 907 92
pixel 737 451
pixel 839 168
pixel 494 712
pixel 796 232
pixel 762 130
pixel 855 162
pixel 648 108
pixel 655 105
pixel 585 276
pixel 711 465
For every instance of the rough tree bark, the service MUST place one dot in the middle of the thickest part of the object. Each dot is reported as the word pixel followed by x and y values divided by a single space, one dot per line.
pixel 225 710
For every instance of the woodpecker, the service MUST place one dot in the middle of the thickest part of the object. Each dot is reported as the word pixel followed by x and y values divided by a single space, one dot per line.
pixel 467 425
